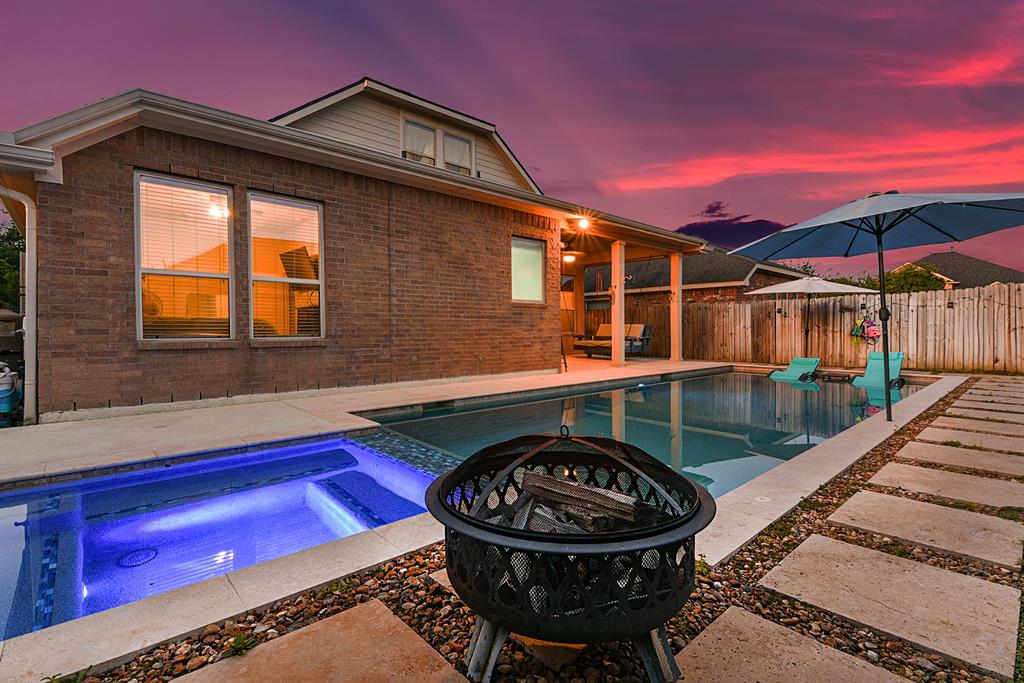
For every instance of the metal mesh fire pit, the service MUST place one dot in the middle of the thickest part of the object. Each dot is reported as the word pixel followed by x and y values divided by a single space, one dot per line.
pixel 570 540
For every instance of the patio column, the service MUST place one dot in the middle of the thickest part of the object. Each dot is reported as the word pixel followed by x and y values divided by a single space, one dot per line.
pixel 675 299
pixel 617 291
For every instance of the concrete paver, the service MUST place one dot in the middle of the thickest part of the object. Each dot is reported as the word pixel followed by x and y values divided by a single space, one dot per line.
pixel 364 644
pixel 985 414
pixel 970 458
pixel 1001 408
pixel 953 485
pixel 969 534
pixel 987 426
pixel 961 616
pixel 1012 397
pixel 992 442
pixel 741 647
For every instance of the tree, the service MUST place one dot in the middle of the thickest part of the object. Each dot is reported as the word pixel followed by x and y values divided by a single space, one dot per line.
pixel 912 278
pixel 11 245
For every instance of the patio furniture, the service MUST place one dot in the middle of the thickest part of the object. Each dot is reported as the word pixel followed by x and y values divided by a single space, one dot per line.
pixel 799 370
pixel 570 540
pixel 637 341
pixel 874 373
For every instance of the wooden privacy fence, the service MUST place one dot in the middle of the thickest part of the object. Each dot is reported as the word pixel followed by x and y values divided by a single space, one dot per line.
pixel 979 329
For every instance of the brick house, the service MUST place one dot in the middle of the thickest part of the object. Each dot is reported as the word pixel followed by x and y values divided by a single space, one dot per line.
pixel 177 252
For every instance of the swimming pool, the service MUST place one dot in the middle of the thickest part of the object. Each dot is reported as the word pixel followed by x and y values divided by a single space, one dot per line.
pixel 72 549
pixel 722 430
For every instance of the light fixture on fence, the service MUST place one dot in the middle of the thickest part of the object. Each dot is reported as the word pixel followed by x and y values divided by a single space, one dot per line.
pixel 949 304
pixel 863 307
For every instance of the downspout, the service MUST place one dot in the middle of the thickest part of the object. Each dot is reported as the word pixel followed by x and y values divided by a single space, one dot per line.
pixel 30 379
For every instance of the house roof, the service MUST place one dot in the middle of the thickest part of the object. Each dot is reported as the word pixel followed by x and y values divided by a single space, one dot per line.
pixel 406 98
pixel 968 271
pixel 712 268
pixel 67 133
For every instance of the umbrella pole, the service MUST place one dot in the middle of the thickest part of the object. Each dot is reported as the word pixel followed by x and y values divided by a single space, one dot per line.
pixel 883 315
pixel 807 323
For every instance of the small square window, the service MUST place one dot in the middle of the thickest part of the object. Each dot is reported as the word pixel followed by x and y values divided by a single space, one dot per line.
pixel 457 154
pixel 419 143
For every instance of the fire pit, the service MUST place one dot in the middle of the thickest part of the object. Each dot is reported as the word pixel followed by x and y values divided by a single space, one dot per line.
pixel 571 540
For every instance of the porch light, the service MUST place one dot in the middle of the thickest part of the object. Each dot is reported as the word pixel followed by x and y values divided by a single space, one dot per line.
pixel 583 223
pixel 569 258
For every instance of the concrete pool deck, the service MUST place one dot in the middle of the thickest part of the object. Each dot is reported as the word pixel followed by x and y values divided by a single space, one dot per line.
pixel 67 447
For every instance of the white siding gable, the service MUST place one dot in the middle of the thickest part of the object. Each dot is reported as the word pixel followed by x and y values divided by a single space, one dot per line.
pixel 376 123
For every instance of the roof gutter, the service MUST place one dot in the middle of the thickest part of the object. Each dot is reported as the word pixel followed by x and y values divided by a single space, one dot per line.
pixel 31 236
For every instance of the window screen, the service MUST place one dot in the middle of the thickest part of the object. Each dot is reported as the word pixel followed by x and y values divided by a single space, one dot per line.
pixel 184 259
pixel 527 270
pixel 286 278
pixel 457 154
pixel 419 143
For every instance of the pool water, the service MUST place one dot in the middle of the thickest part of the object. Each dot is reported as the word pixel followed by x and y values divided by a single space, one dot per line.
pixel 722 430
pixel 73 549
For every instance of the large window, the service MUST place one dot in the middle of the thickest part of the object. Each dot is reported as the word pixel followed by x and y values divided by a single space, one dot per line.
pixel 458 154
pixel 527 270
pixel 419 143
pixel 184 257
pixel 286 274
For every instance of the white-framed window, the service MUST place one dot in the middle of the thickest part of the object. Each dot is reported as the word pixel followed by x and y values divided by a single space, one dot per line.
pixel 286 266
pixel 527 270
pixel 458 154
pixel 184 259
pixel 419 142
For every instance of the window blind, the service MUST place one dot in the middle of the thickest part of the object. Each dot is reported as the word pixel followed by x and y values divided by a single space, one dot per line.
pixel 185 259
pixel 286 277
pixel 457 156
pixel 527 270
pixel 419 142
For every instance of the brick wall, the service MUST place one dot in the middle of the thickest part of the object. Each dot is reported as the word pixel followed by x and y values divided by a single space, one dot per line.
pixel 417 284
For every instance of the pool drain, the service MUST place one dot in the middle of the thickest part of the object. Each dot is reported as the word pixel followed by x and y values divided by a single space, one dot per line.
pixel 137 557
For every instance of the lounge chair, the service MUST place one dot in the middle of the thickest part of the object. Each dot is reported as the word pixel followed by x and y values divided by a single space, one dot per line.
pixel 874 373
pixel 799 370
pixel 637 341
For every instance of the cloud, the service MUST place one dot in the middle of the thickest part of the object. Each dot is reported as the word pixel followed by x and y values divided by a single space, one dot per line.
pixel 727 229
pixel 716 209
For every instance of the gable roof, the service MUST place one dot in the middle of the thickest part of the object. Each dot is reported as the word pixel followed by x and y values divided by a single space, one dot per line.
pixel 711 268
pixel 967 271
pixel 408 99
pixel 67 133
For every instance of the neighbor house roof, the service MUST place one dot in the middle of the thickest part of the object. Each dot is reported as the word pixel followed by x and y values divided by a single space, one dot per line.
pixel 67 133
pixel 383 90
pixel 967 271
pixel 711 268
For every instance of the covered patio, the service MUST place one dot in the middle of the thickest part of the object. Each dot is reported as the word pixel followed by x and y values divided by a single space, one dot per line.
pixel 587 241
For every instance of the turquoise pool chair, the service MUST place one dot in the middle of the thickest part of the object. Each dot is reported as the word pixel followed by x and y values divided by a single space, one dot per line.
pixel 874 373
pixel 799 370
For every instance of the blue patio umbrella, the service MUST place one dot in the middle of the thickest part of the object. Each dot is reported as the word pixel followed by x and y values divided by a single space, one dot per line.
pixel 890 220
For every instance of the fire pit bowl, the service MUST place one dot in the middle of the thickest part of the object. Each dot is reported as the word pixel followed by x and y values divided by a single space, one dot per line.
pixel 571 540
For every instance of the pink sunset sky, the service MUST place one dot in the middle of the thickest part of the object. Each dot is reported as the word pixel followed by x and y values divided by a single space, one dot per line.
pixel 652 110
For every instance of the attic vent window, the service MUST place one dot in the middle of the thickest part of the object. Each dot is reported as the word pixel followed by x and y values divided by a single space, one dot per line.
pixel 457 154
pixel 419 143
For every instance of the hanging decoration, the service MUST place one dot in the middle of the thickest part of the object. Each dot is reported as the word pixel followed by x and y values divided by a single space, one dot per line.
pixel 866 330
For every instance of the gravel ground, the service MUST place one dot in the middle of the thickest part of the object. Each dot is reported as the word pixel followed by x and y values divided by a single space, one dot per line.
pixel 445 623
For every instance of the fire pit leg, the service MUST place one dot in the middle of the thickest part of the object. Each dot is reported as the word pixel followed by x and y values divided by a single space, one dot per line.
pixel 484 648
pixel 656 655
